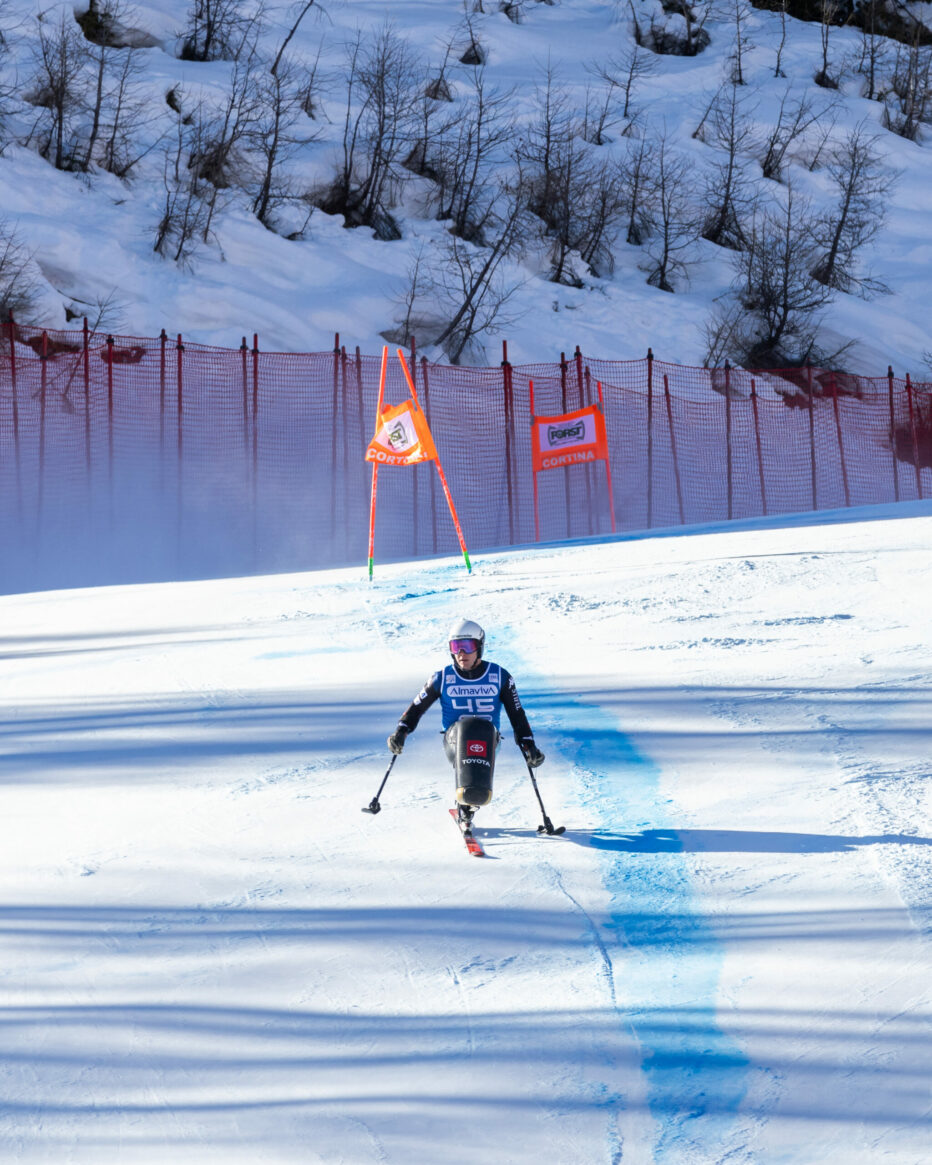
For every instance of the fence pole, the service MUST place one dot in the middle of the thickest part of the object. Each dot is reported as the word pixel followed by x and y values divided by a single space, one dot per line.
pixel 608 462
pixel 729 469
pixel 17 457
pixel 676 465
pixel 43 357
pixel 87 403
pixel 110 415
pixel 841 444
pixel 508 401
pixel 345 410
pixel 760 451
pixel 587 469
pixel 896 474
pixel 566 476
pixel 244 351
pixel 812 457
pixel 414 469
pixel 359 405
pixel 915 435
pixel 13 348
pixel 333 437
pixel 255 448
pixel 431 479
pixel 163 340
pixel 650 438
pixel 179 371
pixel 530 384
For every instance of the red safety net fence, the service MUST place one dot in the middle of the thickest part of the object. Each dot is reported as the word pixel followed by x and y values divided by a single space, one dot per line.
pixel 128 459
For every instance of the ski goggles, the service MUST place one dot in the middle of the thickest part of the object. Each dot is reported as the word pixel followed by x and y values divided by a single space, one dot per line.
pixel 467 645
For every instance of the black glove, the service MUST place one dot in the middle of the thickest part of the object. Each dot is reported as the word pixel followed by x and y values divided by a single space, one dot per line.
pixel 396 742
pixel 532 754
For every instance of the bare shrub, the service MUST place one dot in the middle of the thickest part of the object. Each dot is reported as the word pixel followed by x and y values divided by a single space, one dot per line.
pixel 57 88
pixel 729 195
pixel 681 34
pixel 468 149
pixel 673 227
pixel 793 120
pixel 771 320
pixel 19 282
pixel 220 30
pixel 464 292
pixel 909 103
pixel 274 135
pixel 861 184
pixel 383 80
pixel 189 201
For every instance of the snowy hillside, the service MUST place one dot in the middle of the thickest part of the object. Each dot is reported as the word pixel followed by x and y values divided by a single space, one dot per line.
pixel 91 233
pixel 210 954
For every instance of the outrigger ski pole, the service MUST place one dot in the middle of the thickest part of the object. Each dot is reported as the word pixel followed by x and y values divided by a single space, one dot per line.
pixel 374 806
pixel 548 826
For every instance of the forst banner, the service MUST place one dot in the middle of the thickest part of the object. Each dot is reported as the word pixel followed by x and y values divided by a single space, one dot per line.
pixel 402 438
pixel 572 439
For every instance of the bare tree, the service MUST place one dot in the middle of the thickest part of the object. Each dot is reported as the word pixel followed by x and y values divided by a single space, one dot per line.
pixel 187 206
pixel 19 283
pixel 782 6
pixel 469 148
pixel 273 134
pixel 774 319
pixel 829 15
pixel 220 30
pixel 665 39
pixel 791 124
pixel 636 181
pixel 58 88
pixel 382 84
pixel 874 55
pixel 313 85
pixel 471 49
pixel 417 288
pixel 470 284
pixel 125 112
pixel 673 219
pixel 862 183
pixel 303 9
pixel 544 140
pixel 910 102
pixel 216 154
pixel 742 43
pixel 7 90
pixel 729 196
pixel 822 137
pixel 580 201
pixel 438 87
pixel 622 75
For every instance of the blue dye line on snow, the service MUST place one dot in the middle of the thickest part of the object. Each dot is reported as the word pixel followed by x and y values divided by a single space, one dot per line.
pixel 667 959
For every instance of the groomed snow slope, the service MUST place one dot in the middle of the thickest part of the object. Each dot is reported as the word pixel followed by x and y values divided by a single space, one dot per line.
pixel 211 955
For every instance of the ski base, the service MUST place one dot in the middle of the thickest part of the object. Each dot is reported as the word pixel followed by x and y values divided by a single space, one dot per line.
pixel 472 843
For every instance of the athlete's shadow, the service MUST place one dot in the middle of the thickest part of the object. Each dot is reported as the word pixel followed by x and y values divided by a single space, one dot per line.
pixel 713 841
pixel 663 841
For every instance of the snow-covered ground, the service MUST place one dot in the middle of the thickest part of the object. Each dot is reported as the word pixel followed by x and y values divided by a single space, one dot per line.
pixel 211 954
pixel 92 237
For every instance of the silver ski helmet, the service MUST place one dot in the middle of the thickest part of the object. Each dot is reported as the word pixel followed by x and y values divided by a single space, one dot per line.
pixel 466 629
